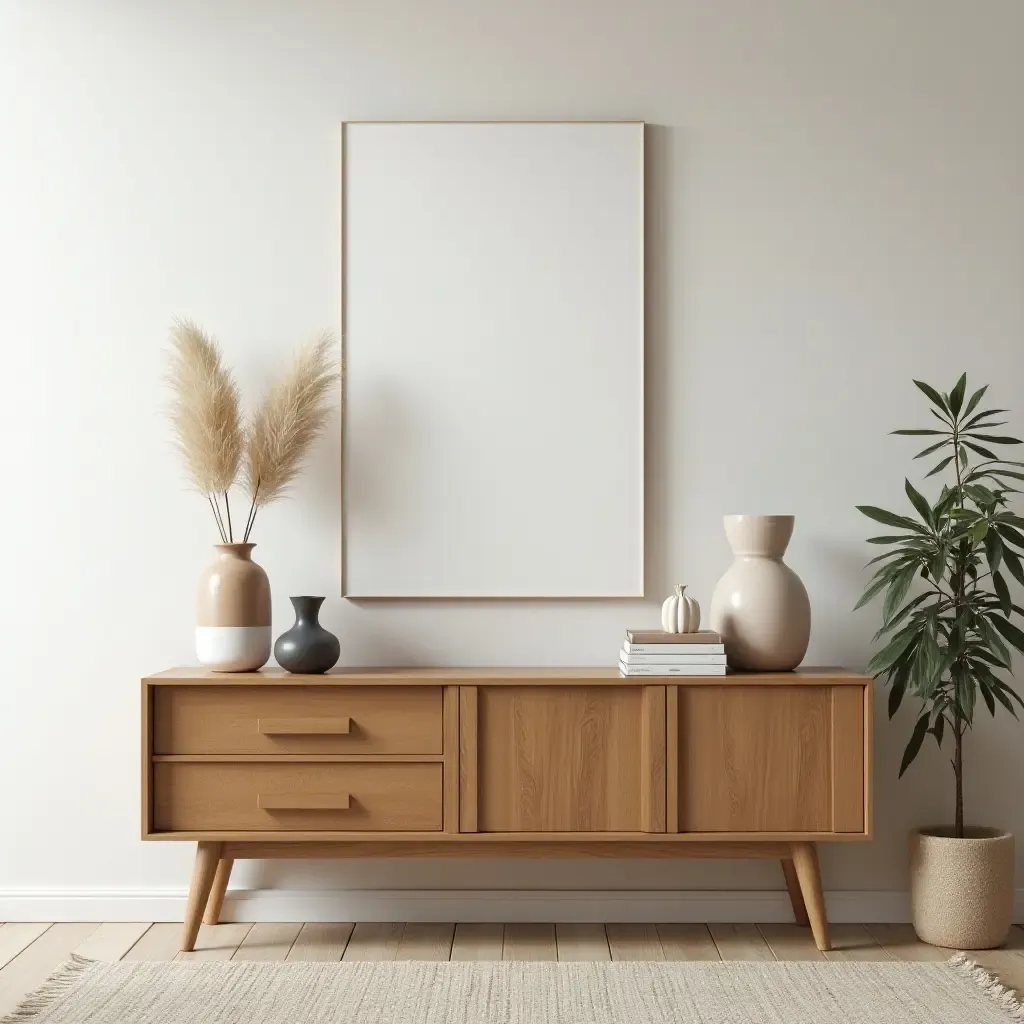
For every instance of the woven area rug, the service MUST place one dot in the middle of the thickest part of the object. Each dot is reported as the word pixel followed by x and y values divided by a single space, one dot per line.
pixel 90 992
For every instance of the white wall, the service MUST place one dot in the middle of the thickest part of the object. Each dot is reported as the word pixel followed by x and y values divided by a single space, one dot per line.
pixel 836 204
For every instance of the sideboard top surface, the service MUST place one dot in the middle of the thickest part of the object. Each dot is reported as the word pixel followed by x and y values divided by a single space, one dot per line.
pixel 501 677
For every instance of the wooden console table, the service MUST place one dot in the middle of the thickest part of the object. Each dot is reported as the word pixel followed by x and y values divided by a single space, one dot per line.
pixel 506 762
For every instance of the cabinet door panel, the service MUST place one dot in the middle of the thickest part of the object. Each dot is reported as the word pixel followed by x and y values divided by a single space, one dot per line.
pixel 755 758
pixel 566 759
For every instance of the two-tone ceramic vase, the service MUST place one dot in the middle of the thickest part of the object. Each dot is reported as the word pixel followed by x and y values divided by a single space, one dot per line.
pixel 233 612
pixel 760 606
pixel 307 647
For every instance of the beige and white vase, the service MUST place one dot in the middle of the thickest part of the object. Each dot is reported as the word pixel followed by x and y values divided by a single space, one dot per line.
pixel 759 606
pixel 961 890
pixel 233 612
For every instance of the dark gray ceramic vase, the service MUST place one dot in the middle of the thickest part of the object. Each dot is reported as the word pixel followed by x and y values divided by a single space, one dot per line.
pixel 307 647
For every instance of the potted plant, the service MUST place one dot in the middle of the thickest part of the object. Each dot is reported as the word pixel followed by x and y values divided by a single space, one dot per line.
pixel 948 626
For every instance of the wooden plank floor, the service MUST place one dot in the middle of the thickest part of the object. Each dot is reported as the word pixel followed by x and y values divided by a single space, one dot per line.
pixel 29 952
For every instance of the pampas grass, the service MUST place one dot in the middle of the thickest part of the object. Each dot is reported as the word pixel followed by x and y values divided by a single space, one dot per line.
pixel 206 418
pixel 292 416
pixel 205 415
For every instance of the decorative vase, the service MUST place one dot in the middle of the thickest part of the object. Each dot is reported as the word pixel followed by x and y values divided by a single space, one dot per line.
pixel 307 647
pixel 760 607
pixel 233 612
pixel 961 890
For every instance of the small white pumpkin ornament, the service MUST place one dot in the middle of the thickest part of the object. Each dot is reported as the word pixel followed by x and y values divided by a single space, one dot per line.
pixel 679 613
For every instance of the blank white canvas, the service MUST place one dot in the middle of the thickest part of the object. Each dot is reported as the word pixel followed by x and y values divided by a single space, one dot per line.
pixel 493 322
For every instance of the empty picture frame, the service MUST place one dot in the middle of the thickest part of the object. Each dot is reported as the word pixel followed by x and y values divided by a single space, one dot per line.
pixel 493 325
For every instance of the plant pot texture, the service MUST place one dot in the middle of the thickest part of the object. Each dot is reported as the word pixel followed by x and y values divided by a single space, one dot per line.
pixel 961 890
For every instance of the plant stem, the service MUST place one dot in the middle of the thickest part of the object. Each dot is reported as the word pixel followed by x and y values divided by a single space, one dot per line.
pixel 251 517
pixel 216 519
pixel 958 771
pixel 227 505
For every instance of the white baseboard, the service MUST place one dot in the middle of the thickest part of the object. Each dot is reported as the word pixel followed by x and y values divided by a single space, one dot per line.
pixel 646 905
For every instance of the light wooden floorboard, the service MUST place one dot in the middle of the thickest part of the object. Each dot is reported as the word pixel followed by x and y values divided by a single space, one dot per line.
pixel 478 941
pixel 15 937
pixel 111 941
pixel 37 961
pixel 900 941
pixel 1005 964
pixel 634 942
pixel 854 942
pixel 374 942
pixel 426 941
pixel 160 942
pixel 529 942
pixel 216 942
pixel 687 942
pixel 740 942
pixel 268 941
pixel 320 941
pixel 790 942
pixel 581 942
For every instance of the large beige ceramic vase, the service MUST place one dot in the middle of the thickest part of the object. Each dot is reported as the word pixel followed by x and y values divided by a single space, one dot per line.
pixel 961 890
pixel 760 607
pixel 233 612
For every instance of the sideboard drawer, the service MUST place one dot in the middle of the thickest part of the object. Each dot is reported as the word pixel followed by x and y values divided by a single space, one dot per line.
pixel 229 796
pixel 297 720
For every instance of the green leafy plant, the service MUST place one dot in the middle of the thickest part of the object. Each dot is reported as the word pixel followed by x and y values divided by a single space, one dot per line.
pixel 947 614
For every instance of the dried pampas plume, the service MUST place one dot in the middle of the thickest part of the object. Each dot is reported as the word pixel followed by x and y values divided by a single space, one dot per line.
pixel 205 415
pixel 292 416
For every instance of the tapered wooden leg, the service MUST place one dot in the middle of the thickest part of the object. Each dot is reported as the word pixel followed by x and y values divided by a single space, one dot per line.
pixel 805 863
pixel 795 895
pixel 217 891
pixel 207 856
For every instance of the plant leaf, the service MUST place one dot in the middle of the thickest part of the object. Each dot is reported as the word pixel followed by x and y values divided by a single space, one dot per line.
pixel 896 691
pixel 931 448
pixel 916 739
pixel 1012 562
pixel 940 467
pixel 924 510
pixel 938 728
pixel 932 394
pixel 975 399
pixel 917 433
pixel 1003 592
pixel 1012 633
pixel 956 396
pixel 880 515
pixel 993 550
pixel 994 438
pixel 890 654
pixel 898 588
pixel 979 450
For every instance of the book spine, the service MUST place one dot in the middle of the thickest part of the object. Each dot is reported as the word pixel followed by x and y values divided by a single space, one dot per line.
pixel 709 660
pixel 671 670
pixel 700 650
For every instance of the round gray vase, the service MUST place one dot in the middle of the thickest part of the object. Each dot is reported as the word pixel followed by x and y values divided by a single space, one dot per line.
pixel 307 648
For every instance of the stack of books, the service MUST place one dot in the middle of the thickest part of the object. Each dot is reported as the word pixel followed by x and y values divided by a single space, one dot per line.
pixel 653 652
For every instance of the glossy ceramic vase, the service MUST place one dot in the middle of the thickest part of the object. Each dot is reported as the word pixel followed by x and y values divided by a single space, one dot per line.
pixel 307 647
pixel 961 890
pixel 233 612
pixel 760 607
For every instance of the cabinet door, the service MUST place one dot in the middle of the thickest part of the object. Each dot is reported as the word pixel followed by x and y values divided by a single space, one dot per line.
pixel 562 758
pixel 771 758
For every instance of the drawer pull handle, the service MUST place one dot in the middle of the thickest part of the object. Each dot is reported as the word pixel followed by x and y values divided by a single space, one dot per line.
pixel 303 801
pixel 304 726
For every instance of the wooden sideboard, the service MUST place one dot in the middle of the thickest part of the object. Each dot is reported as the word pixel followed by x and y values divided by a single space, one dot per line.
pixel 506 762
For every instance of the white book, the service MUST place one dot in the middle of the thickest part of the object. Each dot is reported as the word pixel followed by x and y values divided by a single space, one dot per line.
pixel 629 658
pixel 671 670
pixel 631 648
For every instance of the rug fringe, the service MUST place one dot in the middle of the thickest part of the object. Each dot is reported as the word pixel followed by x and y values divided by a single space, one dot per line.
pixel 987 981
pixel 56 985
